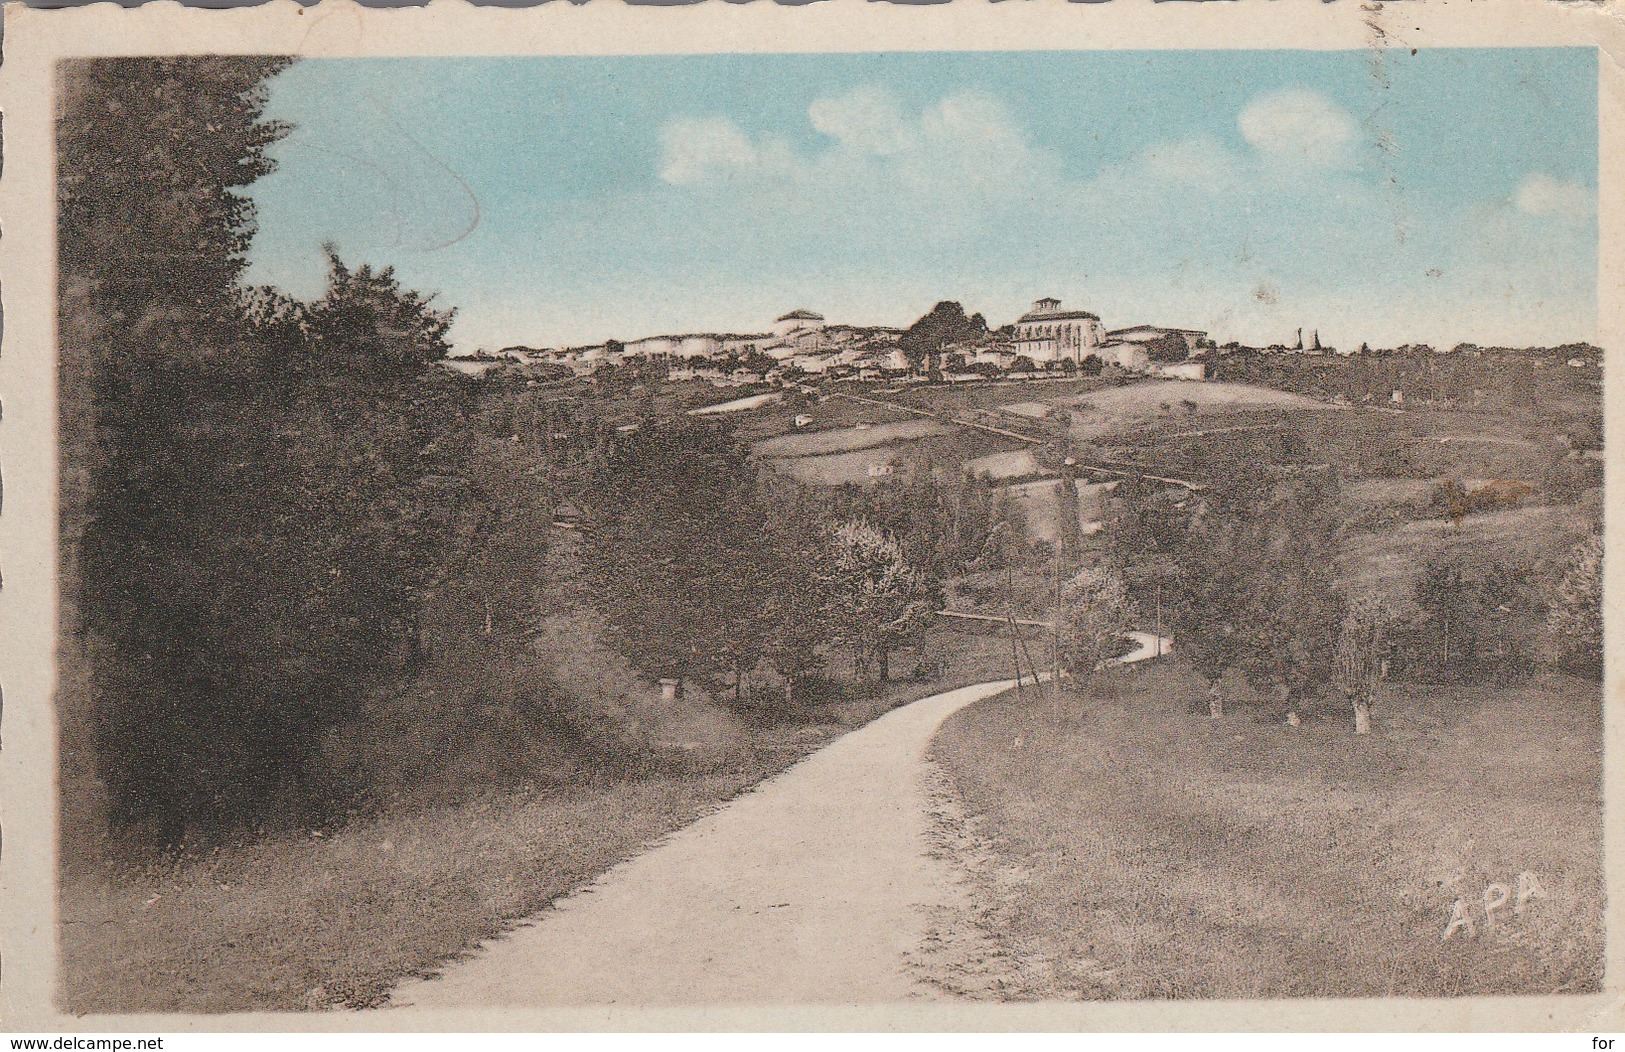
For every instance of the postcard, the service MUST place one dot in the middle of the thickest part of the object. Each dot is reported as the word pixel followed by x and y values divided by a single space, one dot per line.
pixel 831 517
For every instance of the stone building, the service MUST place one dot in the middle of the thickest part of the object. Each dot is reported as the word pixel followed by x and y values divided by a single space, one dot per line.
pixel 1049 334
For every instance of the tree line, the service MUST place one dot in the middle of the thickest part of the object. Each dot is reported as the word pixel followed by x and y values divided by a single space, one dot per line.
pixel 282 525
pixel 1245 574
pixel 710 569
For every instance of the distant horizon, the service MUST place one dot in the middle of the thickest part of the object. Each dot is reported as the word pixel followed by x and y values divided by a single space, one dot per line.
pixel 1378 197
pixel 1309 332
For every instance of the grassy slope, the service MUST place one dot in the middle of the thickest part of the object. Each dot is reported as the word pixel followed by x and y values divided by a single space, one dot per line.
pixel 301 921
pixel 1144 851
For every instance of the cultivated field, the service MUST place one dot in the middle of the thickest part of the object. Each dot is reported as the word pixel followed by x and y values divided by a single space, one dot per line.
pixel 846 440
pixel 1115 409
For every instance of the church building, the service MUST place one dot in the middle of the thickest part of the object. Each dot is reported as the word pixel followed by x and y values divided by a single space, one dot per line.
pixel 1049 334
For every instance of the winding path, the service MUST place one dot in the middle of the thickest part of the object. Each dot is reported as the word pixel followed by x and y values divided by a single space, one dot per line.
pixel 812 889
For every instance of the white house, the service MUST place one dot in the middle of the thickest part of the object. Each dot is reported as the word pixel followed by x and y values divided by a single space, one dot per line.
pixel 1130 356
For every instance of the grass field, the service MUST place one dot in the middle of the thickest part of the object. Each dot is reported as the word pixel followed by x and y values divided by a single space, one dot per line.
pixel 1128 848
pixel 1388 561
pixel 1015 463
pixel 840 469
pixel 997 395
pixel 307 921
pixel 848 439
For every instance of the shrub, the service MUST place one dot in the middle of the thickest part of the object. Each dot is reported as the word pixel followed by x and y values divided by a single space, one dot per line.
pixel 1574 622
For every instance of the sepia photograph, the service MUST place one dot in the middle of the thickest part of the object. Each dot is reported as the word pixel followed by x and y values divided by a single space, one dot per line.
pixel 924 527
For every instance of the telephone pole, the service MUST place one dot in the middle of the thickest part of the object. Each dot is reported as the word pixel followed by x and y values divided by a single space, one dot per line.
pixel 1159 619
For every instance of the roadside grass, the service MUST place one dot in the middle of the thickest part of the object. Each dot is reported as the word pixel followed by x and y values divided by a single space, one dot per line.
pixel 1140 850
pixel 301 921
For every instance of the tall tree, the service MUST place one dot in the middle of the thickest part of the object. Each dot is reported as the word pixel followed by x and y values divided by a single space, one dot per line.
pixel 1363 643
pixel 946 323
pixel 1205 600
pixel 1293 610
pixel 264 500
pixel 152 228
pixel 676 554
pixel 1068 513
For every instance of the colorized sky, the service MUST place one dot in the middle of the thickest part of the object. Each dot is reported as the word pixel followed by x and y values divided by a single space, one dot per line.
pixel 1376 196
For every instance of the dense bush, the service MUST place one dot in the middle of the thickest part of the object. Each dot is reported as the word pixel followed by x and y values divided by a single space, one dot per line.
pixel 1574 637
pixel 1478 619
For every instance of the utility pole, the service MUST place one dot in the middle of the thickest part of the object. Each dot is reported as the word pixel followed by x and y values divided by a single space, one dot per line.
pixel 1055 632
pixel 1032 666
pixel 1010 607
pixel 1009 617
pixel 1159 619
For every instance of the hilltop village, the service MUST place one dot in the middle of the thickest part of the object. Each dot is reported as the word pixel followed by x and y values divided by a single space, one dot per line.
pixel 947 346
pixel 944 345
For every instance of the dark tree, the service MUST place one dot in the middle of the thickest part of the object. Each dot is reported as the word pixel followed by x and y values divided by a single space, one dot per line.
pixel 264 502
pixel 942 325
pixel 1476 616
pixel 151 231
pixel 676 558
pixel 367 324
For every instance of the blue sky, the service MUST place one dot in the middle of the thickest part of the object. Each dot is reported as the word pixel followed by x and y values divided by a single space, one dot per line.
pixel 1376 195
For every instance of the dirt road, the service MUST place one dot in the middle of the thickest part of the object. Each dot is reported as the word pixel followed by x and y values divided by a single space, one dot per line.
pixel 811 889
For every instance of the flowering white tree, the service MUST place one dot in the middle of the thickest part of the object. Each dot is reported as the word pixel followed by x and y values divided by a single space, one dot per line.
pixel 878 602
pixel 1096 613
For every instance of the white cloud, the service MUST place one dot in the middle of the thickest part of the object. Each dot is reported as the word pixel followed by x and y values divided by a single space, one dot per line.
pixel 1201 163
pixel 698 151
pixel 1298 125
pixel 866 120
pixel 963 142
pixel 1542 195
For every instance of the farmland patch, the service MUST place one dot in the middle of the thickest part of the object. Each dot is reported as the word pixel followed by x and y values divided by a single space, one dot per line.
pixel 845 440
pixel 1120 408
